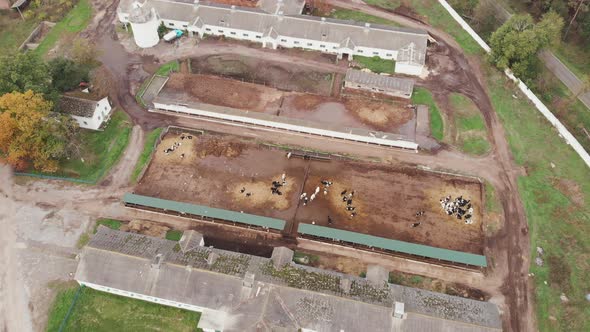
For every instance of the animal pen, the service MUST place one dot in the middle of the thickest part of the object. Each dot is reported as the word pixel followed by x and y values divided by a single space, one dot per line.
pixel 234 180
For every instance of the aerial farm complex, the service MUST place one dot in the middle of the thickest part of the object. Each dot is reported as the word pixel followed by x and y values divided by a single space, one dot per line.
pixel 281 165
pixel 238 190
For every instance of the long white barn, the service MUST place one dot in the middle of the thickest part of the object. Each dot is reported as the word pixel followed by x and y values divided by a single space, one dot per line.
pixel 275 24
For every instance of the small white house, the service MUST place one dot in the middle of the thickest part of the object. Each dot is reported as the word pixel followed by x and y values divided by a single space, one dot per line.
pixel 88 112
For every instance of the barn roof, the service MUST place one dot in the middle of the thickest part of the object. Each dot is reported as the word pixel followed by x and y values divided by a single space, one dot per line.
pixel 298 26
pixel 393 245
pixel 242 292
pixel 388 83
pixel 206 211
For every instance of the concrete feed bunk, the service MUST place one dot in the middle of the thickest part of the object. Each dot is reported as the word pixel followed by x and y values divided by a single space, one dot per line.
pixel 237 174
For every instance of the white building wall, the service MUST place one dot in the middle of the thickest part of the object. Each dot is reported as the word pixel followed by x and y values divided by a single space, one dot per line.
pixel 102 113
pixel 86 123
pixel 287 126
pixel 146 34
pixel 408 69
pixel 142 297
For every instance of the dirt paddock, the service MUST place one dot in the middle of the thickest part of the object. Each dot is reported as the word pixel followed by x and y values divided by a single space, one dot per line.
pixel 237 174
pixel 353 110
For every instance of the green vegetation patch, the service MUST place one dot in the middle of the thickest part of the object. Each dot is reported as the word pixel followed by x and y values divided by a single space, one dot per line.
pixel 346 14
pixel 100 150
pixel 435 14
pixel 305 258
pixel 376 64
pixel 110 223
pixel 83 240
pixel 76 20
pixel 167 68
pixel 424 97
pixel 13 33
pixel 97 311
pixel 471 134
pixel 148 147
pixel 556 203
pixel 173 235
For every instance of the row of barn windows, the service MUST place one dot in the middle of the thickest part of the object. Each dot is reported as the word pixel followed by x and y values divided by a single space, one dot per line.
pixel 139 296
pixel 282 40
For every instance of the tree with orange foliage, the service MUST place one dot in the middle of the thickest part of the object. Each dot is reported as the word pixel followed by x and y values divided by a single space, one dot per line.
pixel 31 133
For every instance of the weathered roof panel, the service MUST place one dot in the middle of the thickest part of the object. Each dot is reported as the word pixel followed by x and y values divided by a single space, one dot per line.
pixel 389 83
pixel 393 245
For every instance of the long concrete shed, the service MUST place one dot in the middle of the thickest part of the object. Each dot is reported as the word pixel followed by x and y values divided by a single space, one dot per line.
pixel 203 211
pixel 393 245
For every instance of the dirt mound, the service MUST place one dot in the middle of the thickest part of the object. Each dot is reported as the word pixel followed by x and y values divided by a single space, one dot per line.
pixel 219 148
pixel 217 91
pixel 308 102
pixel 381 114
pixel 146 228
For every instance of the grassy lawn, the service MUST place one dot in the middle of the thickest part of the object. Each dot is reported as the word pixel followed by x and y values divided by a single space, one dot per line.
pixel 556 203
pixel 173 235
pixel 439 18
pixel 471 134
pixel 14 32
pixel 575 57
pixel 76 20
pixel 423 96
pixel 346 14
pixel 100 150
pixel 148 147
pixel 110 223
pixel 166 68
pixel 376 64
pixel 97 311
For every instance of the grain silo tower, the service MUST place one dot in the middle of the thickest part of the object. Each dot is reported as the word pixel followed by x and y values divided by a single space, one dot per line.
pixel 144 22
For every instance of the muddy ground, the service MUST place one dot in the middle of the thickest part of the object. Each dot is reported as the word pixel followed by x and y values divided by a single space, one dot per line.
pixel 353 109
pixel 289 77
pixel 237 174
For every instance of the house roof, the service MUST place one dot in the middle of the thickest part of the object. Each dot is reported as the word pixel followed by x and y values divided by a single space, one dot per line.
pixel 389 83
pixel 77 106
pixel 241 292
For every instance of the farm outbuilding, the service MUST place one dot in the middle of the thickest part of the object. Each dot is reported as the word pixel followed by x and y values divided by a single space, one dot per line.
pixel 389 85
pixel 240 292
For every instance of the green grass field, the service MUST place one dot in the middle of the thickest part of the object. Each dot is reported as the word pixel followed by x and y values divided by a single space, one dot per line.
pixel 148 147
pixel 376 64
pixel 556 204
pixel 13 33
pixel 76 20
pixel 346 14
pixel 97 311
pixel 165 69
pixel 423 96
pixel 438 17
pixel 173 235
pixel 100 150
pixel 471 134
pixel 110 223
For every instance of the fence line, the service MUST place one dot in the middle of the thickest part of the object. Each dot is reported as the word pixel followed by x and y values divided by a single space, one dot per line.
pixel 51 177
pixel 72 305
pixel 553 120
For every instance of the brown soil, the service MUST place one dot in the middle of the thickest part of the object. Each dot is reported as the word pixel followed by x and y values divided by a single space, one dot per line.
pixel 241 3
pixel 570 189
pixel 386 199
pixel 221 91
pixel 146 228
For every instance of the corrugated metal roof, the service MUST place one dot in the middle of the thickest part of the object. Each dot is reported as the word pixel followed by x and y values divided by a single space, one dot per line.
pixel 200 210
pixel 389 83
pixel 394 245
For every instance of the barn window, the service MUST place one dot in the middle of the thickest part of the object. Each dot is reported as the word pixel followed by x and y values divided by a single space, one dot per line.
pixel 360 51
pixel 171 24
pixel 245 34
pixel 388 54
pixel 258 37
pixel 233 33
pixel 296 42
pixel 284 40
pixel 185 25
pixel 375 53
pixel 220 31
pixel 322 46
pixel 86 123
pixel 309 44
pixel 207 29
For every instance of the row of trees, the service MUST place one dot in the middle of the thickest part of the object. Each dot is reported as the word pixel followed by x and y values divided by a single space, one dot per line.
pixel 31 132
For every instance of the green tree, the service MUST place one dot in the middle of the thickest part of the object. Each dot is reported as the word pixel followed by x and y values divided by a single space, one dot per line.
pixel 67 74
pixel 24 71
pixel 464 7
pixel 31 133
pixel 162 30
pixel 516 43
